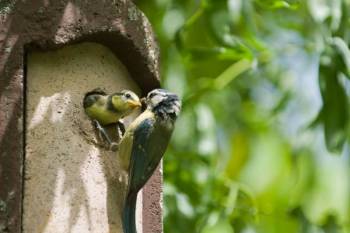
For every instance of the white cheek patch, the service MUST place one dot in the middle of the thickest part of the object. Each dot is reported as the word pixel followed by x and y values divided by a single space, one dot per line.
pixel 135 97
pixel 157 99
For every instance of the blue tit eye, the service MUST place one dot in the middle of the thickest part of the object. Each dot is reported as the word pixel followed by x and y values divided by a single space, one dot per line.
pixel 127 95
pixel 152 95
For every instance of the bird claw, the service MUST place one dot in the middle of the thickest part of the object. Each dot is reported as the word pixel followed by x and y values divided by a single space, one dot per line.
pixel 114 146
pixel 103 135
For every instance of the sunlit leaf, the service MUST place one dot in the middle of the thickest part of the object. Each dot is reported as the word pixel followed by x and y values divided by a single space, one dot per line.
pixel 221 53
pixel 231 198
pixel 336 13
pixel 304 177
pixel 329 195
pixel 234 9
pixel 282 4
pixel 239 154
pixel 220 227
pixel 277 4
pixel 319 9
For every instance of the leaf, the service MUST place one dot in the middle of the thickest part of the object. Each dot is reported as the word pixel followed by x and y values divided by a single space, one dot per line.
pixel 319 9
pixel 239 155
pixel 220 53
pixel 284 4
pixel 322 10
pixel 331 225
pixel 231 73
pixel 234 8
pixel 220 25
pixel 282 103
pixel 226 77
pixel 335 108
pixel 231 198
pixel 221 226
pixel 336 13
pixel 316 121
pixel 342 48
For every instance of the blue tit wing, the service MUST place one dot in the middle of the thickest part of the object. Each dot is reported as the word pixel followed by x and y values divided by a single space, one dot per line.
pixel 150 142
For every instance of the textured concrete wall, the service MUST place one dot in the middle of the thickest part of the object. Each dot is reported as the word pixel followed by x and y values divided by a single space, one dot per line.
pixel 72 184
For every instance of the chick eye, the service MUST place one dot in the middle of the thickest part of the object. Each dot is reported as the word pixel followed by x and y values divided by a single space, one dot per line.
pixel 127 95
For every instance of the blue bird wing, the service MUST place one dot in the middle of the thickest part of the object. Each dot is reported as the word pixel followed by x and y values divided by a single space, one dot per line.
pixel 150 138
pixel 150 142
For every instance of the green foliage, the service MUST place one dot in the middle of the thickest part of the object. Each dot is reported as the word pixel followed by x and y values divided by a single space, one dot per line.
pixel 265 86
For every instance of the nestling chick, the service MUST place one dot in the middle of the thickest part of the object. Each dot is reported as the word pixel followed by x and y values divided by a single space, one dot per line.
pixel 106 109
pixel 143 145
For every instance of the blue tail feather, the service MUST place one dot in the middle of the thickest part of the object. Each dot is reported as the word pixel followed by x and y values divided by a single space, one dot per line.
pixel 129 224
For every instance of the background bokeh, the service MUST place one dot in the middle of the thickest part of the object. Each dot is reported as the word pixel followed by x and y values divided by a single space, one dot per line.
pixel 262 144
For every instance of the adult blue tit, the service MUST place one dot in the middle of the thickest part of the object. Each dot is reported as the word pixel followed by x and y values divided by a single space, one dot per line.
pixel 106 109
pixel 144 144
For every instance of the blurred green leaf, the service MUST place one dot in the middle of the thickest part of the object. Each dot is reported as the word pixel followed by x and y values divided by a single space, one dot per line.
pixel 277 4
pixel 220 53
pixel 342 48
pixel 319 9
pixel 231 198
pixel 221 226
pixel 239 154
pixel 231 73
pixel 335 108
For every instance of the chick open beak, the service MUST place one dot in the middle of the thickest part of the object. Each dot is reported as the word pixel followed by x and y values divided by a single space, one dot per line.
pixel 134 104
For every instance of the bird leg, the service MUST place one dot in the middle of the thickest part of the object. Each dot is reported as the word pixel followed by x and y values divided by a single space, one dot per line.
pixel 102 131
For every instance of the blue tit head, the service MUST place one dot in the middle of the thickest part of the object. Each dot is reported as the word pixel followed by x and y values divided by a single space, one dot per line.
pixel 164 103
pixel 125 100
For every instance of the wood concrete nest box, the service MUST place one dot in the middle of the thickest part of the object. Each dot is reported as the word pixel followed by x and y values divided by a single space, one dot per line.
pixel 31 26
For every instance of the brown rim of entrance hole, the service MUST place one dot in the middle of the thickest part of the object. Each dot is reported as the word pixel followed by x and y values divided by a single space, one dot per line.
pixel 29 25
